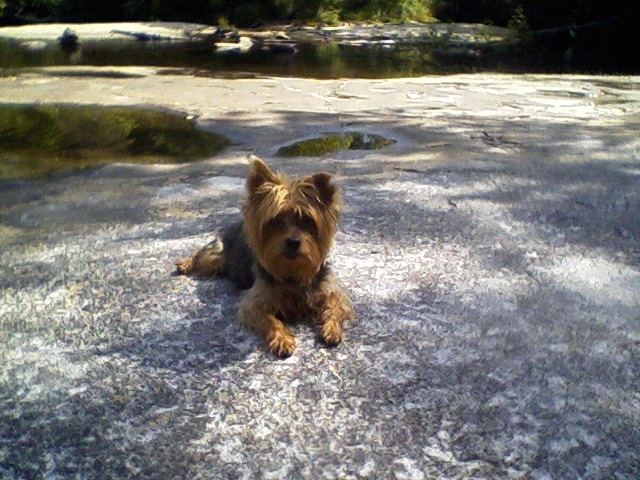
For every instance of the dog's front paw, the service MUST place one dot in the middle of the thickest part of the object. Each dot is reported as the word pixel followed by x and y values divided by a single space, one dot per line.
pixel 331 333
pixel 282 343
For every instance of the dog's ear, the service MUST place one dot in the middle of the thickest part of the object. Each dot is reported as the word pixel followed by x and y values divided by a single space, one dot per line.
pixel 259 173
pixel 326 190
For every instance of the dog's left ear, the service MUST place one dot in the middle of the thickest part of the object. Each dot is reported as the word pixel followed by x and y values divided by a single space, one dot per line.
pixel 326 189
pixel 259 173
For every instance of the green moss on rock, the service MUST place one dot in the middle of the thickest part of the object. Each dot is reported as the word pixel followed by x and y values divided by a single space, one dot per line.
pixel 38 140
pixel 315 147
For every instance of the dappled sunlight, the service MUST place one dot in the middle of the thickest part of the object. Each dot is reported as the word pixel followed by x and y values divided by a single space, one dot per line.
pixel 608 282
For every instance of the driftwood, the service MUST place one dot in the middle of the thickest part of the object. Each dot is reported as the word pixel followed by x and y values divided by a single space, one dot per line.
pixel 141 36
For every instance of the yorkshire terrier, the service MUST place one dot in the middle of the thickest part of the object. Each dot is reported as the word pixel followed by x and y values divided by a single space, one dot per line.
pixel 279 253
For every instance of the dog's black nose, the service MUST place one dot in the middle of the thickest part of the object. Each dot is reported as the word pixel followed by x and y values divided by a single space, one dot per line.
pixel 292 244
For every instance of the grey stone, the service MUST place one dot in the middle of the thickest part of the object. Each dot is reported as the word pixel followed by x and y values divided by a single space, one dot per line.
pixel 496 284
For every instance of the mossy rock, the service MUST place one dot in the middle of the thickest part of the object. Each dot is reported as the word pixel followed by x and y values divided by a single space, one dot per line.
pixel 40 140
pixel 316 147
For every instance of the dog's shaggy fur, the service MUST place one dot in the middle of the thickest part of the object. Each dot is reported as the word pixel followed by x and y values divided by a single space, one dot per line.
pixel 279 253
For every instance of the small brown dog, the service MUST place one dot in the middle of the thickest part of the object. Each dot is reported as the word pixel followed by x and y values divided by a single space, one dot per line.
pixel 279 252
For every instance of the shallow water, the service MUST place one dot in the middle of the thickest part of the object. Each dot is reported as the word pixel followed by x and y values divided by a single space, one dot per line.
pixel 316 60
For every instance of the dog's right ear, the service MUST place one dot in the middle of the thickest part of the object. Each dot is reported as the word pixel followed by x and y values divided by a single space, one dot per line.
pixel 326 189
pixel 259 173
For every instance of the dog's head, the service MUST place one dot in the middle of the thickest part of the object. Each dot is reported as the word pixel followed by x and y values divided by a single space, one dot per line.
pixel 290 223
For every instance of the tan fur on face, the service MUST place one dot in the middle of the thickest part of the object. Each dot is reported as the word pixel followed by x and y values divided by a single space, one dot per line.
pixel 300 269
pixel 271 197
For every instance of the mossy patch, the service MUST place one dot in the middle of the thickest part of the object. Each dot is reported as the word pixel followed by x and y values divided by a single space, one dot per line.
pixel 315 147
pixel 38 140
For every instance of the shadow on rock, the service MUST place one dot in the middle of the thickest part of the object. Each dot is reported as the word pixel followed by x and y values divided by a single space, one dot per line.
pixel 208 340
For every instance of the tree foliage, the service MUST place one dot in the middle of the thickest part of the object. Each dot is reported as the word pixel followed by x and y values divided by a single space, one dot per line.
pixel 246 13
pixel 535 14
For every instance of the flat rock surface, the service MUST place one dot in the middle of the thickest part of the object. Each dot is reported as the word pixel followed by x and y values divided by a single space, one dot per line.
pixel 50 32
pixel 493 254
pixel 406 33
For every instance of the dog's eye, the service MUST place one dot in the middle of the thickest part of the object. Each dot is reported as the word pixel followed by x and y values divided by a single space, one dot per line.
pixel 276 223
pixel 307 223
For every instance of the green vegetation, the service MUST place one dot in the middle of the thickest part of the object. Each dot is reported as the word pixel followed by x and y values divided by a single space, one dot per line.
pixel 315 147
pixel 535 14
pixel 40 140
pixel 246 14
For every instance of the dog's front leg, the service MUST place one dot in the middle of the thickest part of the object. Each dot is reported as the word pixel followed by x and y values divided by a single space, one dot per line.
pixel 335 309
pixel 269 328
pixel 279 339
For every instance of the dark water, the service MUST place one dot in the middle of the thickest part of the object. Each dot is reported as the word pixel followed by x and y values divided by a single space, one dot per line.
pixel 330 60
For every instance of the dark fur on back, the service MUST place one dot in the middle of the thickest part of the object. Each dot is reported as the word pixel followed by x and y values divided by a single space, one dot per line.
pixel 238 264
